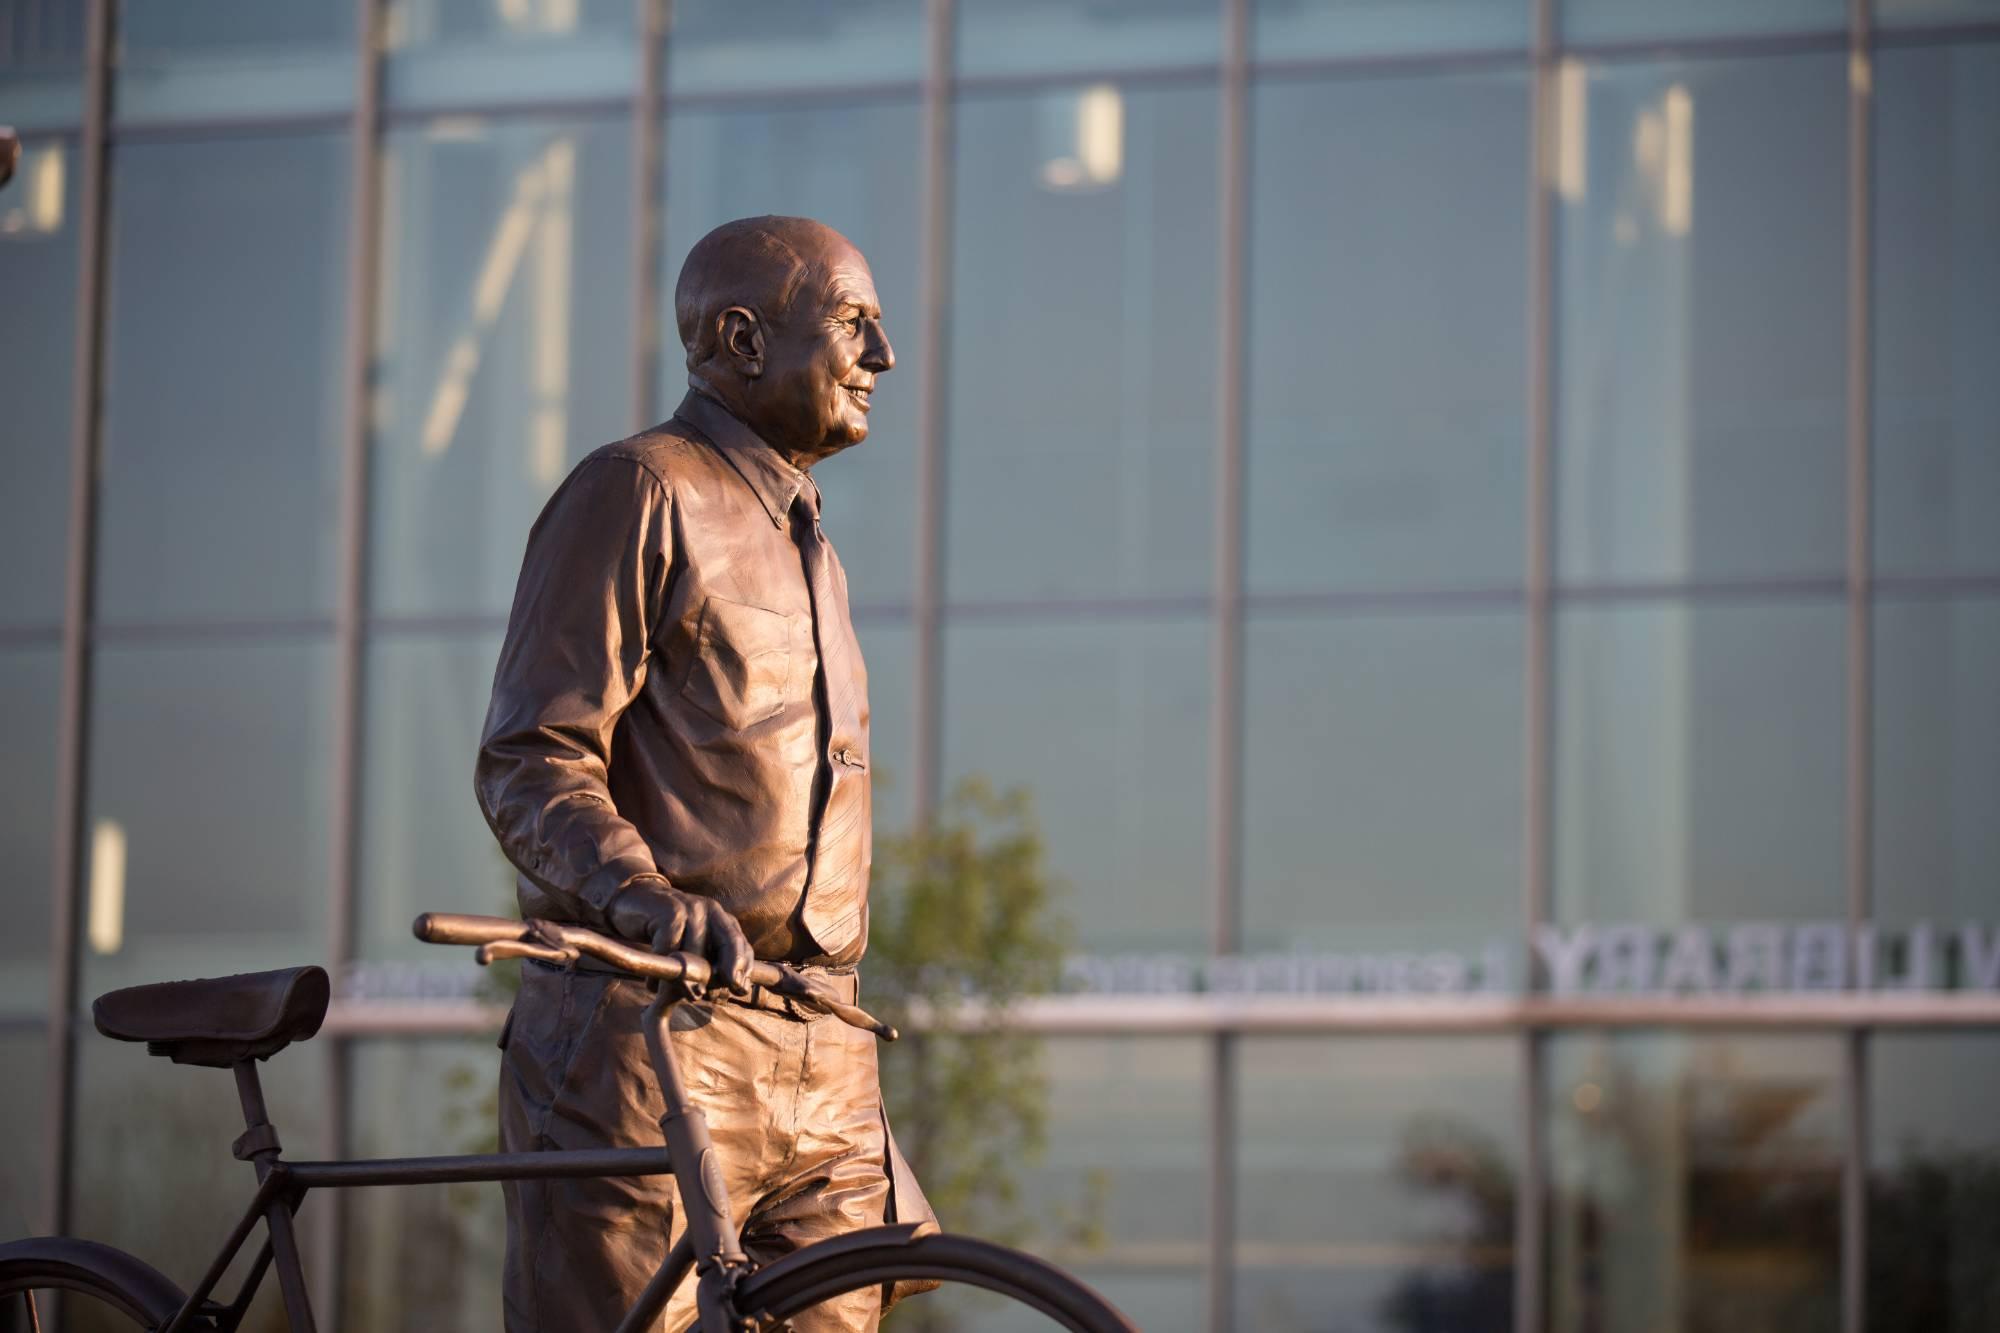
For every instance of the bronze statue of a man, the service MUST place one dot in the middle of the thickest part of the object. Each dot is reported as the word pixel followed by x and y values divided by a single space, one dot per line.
pixel 677 752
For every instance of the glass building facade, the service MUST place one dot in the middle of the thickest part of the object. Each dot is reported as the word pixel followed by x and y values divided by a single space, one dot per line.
pixel 1495 497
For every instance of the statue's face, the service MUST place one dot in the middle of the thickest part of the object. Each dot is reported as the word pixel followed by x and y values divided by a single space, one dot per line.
pixel 821 363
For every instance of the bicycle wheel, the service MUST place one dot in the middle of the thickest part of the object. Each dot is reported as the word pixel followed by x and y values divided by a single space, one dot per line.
pixel 96 1287
pixel 798 1282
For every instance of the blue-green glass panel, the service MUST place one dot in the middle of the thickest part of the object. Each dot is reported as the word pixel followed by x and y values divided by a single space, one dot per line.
pixel 502 346
pixel 1936 445
pixel 779 46
pixel 1701 318
pixel 225 377
pixel 445 53
pixel 233 59
pixel 38 274
pixel 1387 367
pixel 1030 37
pixel 1308 29
pixel 1082 418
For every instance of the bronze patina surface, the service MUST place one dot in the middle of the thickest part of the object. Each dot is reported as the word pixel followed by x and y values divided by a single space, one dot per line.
pixel 677 752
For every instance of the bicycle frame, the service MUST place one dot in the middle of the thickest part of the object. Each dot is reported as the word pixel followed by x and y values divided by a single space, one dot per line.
pixel 709 1243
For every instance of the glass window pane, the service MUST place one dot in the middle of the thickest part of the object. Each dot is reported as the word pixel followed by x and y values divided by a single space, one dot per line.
pixel 1937 310
pixel 1387 371
pixel 1376 1183
pixel 1934 1180
pixel 503 346
pixel 1694 1182
pixel 424 845
pixel 853 166
pixel 1107 726
pixel 210 785
pixel 38 272
pixel 1925 13
pixel 783 45
pixel 30 692
pixel 889 648
pixel 23 1106
pixel 458 52
pixel 1700 754
pixel 1304 29
pixel 153 1170
pixel 1701 369
pixel 1073 36
pixel 427 1257
pixel 224 373
pixel 1119 1195
pixel 43 44
pixel 1382 799
pixel 1624 20
pixel 233 59
pixel 1083 337
pixel 1937 760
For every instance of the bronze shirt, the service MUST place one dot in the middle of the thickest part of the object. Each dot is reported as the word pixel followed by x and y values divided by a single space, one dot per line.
pixel 656 707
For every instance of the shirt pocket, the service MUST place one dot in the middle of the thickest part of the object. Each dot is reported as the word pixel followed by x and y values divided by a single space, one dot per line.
pixel 743 663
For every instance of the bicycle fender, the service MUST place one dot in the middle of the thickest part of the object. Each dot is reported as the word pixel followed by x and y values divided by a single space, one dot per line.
pixel 148 1284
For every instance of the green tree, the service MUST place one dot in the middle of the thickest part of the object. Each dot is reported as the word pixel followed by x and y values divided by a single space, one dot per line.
pixel 963 927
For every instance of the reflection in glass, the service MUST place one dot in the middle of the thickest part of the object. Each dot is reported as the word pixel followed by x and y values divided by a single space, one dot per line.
pixel 1106 724
pixel 1937 760
pixel 223 381
pixel 210 773
pixel 1387 371
pixel 1304 29
pixel 1002 37
pixel 1382 781
pixel 1119 1196
pixel 234 59
pixel 426 1258
pixel 1701 369
pixel 23 1104
pixel 458 52
pixel 1694 1182
pixel 1376 1183
pixel 153 1170
pixel 30 686
pixel 38 273
pixel 781 45
pixel 1625 20
pixel 42 48
pixel 1700 753
pixel 503 346
pixel 853 166
pixel 1083 334
pixel 424 845
pixel 1937 310
pixel 1934 1180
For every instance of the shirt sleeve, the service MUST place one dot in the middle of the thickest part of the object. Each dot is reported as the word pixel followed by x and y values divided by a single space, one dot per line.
pixel 593 582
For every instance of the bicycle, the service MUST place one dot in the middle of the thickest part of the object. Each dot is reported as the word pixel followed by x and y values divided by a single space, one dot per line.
pixel 234 1022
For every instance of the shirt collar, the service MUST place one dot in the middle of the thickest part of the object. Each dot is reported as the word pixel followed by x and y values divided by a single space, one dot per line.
pixel 766 471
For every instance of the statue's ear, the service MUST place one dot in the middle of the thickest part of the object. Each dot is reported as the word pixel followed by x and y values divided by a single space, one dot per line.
pixel 741 336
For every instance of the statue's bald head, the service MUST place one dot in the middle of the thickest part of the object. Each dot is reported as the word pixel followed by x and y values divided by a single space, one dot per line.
pixel 782 325
pixel 761 263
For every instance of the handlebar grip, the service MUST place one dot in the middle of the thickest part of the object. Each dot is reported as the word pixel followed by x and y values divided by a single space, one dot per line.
pixel 459 928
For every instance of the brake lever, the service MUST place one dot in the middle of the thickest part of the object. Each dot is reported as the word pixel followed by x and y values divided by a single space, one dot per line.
pixel 542 953
pixel 794 985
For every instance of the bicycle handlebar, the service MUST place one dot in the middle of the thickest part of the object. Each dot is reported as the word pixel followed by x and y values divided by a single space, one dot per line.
pixel 554 942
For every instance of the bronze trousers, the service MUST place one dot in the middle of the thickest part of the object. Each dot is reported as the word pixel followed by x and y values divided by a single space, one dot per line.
pixel 794 1107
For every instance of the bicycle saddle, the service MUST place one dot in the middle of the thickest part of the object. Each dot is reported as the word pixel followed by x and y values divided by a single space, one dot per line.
pixel 218 1021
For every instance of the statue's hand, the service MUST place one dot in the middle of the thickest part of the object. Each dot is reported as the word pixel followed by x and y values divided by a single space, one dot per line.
pixel 652 912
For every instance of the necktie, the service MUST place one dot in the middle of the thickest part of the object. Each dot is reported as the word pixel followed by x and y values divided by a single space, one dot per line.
pixel 836 904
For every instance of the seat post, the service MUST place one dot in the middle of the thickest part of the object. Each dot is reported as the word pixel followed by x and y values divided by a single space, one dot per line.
pixel 260 1144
